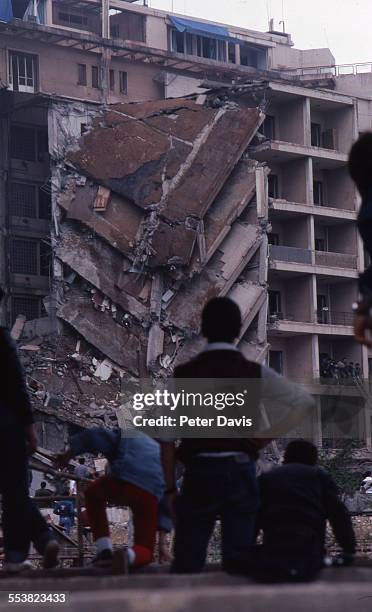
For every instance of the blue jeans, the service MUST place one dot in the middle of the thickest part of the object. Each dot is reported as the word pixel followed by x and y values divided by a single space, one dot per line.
pixel 222 488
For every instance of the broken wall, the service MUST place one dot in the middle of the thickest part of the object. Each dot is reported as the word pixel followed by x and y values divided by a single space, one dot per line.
pixel 158 208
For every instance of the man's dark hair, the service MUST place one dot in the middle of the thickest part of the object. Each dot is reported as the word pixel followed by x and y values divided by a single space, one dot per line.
pixel 1 294
pixel 301 451
pixel 360 163
pixel 221 320
pixel 81 460
pixel 43 484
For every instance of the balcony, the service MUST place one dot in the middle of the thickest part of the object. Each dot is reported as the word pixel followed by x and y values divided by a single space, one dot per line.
pixel 291 254
pixel 324 259
pixel 324 323
pixel 336 260
pixel 329 317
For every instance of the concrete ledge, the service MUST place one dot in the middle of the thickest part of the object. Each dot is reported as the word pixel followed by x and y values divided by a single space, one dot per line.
pixel 338 590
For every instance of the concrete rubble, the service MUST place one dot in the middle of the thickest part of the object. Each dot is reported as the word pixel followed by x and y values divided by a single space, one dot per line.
pixel 161 209
pixel 157 208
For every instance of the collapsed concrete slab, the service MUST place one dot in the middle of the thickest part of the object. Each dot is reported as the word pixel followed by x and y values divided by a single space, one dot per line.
pixel 158 208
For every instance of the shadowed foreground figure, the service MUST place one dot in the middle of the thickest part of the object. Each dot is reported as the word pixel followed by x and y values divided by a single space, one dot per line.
pixel 220 474
pixel 360 167
pixel 297 499
pixel 21 519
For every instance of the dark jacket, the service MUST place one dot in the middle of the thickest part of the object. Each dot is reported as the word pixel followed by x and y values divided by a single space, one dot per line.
pixel 365 230
pixel 15 405
pixel 223 364
pixel 300 496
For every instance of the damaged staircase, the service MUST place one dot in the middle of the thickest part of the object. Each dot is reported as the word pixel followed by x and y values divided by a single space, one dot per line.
pixel 157 209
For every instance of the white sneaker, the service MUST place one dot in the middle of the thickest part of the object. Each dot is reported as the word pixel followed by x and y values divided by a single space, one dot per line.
pixel 16 568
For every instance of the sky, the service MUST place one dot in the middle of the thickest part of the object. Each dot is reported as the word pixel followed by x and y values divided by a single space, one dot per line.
pixel 345 26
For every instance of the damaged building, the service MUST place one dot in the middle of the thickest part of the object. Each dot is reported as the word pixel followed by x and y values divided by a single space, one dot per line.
pixel 150 161
pixel 158 212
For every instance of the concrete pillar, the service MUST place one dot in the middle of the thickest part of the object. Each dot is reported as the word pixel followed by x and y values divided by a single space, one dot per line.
pixel 313 298
pixel 262 193
pixel 105 19
pixel 307 122
pixel 364 363
pixel 311 243
pixel 315 356
pixel 105 64
pixel 48 13
pixel 237 54
pixel 367 425
pixel 309 181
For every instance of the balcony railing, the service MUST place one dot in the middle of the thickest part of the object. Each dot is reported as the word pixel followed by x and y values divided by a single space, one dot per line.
pixel 323 317
pixel 328 317
pixel 333 71
pixel 290 254
pixel 322 258
pixel 336 260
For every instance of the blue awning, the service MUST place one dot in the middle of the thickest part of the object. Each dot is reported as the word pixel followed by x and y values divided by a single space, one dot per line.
pixel 6 10
pixel 202 29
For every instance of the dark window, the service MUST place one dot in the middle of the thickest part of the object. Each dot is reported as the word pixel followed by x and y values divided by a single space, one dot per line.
pixel 29 306
pixel 273 184
pixel 323 310
pixel 112 80
pixel 95 77
pixel 22 72
pixel 320 244
pixel 248 56
pixel 318 193
pixel 73 19
pixel 189 44
pixel 83 129
pixel 274 239
pixel 232 53
pixel 178 41
pixel 42 145
pixel 45 202
pixel 115 30
pixel 268 127
pixel 22 143
pixel 23 200
pixel 209 48
pixel 24 256
pixel 132 27
pixel 316 135
pixel 222 51
pixel 82 74
pixel 45 259
pixel 276 361
pixel 123 82
pixel 275 302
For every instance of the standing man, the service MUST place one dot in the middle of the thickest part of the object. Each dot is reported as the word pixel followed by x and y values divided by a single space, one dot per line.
pixel 21 520
pixel 360 168
pixel 81 470
pixel 220 474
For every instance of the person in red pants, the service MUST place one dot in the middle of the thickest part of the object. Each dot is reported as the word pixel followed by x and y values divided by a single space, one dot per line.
pixel 135 480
